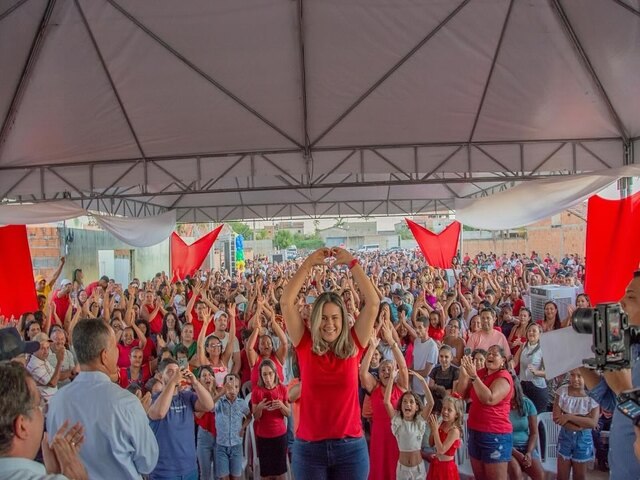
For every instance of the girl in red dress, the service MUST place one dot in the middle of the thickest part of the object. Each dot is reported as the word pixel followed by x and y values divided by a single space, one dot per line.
pixel 383 448
pixel 447 440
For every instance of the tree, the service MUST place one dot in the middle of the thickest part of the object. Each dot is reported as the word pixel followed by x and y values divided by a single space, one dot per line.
pixel 262 235
pixel 307 242
pixel 242 229
pixel 404 232
pixel 282 239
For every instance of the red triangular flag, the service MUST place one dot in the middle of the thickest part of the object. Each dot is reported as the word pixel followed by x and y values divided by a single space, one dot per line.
pixel 613 230
pixel 187 259
pixel 438 249
pixel 17 286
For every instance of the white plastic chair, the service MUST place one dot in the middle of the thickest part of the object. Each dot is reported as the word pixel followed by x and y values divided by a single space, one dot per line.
pixel 549 450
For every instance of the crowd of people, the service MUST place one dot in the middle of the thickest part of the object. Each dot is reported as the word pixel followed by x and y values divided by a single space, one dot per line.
pixel 341 366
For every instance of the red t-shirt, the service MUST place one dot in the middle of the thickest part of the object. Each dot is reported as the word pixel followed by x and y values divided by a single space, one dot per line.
pixel 126 380
pixel 255 371
pixel 329 407
pixel 197 326
pixel 208 422
pixel 519 303
pixel 149 350
pixel 491 418
pixel 155 322
pixel 90 288
pixel 436 333
pixel 123 353
pixel 62 305
pixel 271 423
pixel 245 369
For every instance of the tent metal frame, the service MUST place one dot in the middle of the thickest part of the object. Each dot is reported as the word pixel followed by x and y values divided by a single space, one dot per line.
pixel 294 167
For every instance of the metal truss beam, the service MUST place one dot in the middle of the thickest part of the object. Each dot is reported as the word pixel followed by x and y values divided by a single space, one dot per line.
pixel 347 149
pixel 124 206
pixel 78 196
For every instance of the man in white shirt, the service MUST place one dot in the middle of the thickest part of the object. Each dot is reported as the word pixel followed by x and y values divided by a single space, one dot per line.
pixel 425 354
pixel 119 443
pixel 45 375
pixel 68 370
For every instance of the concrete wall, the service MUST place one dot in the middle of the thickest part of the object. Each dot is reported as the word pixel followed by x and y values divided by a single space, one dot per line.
pixel 566 234
pixel 47 243
pixel 257 248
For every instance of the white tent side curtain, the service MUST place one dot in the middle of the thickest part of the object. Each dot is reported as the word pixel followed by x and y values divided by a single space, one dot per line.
pixel 137 232
pixel 532 201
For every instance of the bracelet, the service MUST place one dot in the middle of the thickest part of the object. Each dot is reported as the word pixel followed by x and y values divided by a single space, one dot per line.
pixel 473 379
pixel 353 263
pixel 395 344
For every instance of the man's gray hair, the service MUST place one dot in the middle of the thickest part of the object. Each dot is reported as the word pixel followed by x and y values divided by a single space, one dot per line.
pixel 90 338
pixel 15 400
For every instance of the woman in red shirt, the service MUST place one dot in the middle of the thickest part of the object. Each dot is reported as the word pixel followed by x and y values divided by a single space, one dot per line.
pixel 265 349
pixel 489 427
pixel 270 407
pixel 329 442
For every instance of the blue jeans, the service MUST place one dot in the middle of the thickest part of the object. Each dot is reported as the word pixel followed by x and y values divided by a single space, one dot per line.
pixel 206 452
pixel 345 458
pixel 490 447
pixel 229 461
pixel 190 476
pixel 576 446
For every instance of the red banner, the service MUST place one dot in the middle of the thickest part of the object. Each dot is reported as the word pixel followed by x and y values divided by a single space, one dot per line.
pixel 438 249
pixel 17 286
pixel 613 246
pixel 187 259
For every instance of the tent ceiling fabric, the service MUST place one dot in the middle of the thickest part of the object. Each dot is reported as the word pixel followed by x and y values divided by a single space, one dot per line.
pixel 285 108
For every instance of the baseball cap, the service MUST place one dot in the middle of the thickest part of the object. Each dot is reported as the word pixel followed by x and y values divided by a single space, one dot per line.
pixel 12 345
pixel 65 282
pixel 218 314
pixel 39 278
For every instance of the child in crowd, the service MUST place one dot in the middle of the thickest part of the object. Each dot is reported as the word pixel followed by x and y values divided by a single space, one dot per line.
pixel 577 414
pixel 446 435
pixel 270 407
pixel 232 417
pixel 409 425
pixel 445 374
pixel 436 326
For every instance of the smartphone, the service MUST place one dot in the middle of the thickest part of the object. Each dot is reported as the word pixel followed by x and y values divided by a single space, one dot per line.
pixel 467 351
pixel 183 363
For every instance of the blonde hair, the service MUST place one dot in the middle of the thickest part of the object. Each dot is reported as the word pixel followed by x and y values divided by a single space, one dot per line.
pixel 344 346
pixel 458 406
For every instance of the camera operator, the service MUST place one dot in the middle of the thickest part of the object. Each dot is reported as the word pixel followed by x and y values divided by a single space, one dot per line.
pixel 604 389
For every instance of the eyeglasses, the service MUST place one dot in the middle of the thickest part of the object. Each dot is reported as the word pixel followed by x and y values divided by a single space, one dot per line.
pixel 216 345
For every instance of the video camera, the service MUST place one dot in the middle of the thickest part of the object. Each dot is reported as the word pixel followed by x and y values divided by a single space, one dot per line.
pixel 629 404
pixel 612 335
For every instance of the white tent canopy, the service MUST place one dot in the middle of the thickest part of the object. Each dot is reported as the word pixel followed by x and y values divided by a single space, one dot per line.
pixel 274 108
